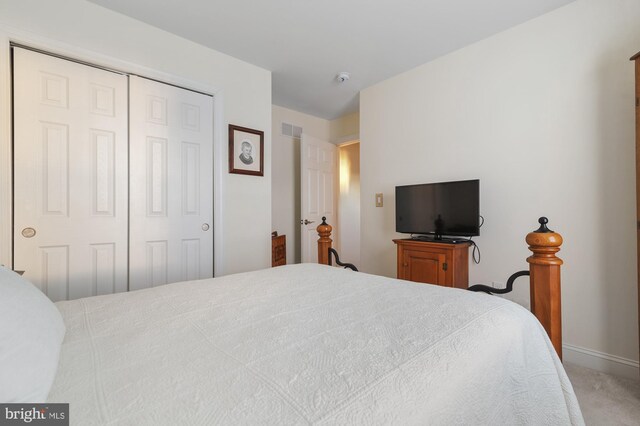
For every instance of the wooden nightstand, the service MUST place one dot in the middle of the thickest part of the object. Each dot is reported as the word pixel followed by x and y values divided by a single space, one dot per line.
pixel 279 250
pixel 434 263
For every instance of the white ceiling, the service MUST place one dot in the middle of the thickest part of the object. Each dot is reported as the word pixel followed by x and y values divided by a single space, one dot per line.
pixel 305 43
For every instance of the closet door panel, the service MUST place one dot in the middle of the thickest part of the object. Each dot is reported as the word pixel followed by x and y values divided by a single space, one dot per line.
pixel 171 184
pixel 70 176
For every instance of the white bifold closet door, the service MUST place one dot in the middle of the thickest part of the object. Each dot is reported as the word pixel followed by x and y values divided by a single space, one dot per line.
pixel 171 184
pixel 70 176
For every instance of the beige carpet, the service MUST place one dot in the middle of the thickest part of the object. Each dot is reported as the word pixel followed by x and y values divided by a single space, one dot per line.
pixel 605 399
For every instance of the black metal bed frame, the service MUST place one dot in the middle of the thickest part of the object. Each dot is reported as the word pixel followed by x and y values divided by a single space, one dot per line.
pixel 344 265
pixel 507 289
pixel 476 288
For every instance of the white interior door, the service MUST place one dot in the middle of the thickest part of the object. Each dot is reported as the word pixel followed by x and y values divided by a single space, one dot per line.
pixel 171 184
pixel 70 176
pixel 318 192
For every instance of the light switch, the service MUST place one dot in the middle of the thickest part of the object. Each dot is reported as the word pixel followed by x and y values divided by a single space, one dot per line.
pixel 379 200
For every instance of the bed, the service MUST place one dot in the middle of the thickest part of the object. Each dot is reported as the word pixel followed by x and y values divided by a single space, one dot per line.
pixel 307 344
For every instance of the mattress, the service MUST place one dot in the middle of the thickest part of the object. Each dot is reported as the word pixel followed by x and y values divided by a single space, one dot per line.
pixel 308 344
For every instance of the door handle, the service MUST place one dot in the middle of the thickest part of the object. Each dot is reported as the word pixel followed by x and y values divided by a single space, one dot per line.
pixel 305 222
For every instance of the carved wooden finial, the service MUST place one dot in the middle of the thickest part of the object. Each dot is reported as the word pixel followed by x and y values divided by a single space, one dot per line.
pixel 324 229
pixel 324 242
pixel 544 243
pixel 544 268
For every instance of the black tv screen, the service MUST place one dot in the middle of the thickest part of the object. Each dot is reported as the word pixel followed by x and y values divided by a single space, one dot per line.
pixel 445 208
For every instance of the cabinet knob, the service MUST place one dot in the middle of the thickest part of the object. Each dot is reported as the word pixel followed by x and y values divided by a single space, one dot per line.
pixel 405 264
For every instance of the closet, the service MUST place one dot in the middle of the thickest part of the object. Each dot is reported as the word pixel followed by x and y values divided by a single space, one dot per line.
pixel 113 179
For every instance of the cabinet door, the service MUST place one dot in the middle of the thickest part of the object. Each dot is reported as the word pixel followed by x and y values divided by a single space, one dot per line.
pixel 424 267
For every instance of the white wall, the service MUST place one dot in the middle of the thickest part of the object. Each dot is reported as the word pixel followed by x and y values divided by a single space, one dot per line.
pixel 543 114
pixel 243 97
pixel 285 200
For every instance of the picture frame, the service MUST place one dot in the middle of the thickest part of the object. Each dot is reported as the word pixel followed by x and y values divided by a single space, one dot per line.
pixel 246 151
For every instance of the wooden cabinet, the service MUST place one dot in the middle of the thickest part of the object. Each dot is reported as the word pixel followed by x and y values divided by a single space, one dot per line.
pixel 278 250
pixel 434 263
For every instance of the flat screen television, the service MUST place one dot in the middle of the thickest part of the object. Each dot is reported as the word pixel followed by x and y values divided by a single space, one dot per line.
pixel 437 209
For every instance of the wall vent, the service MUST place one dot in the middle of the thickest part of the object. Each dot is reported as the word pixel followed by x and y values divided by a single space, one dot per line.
pixel 291 130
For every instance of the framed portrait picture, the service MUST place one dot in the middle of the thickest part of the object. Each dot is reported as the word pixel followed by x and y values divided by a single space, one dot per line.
pixel 246 151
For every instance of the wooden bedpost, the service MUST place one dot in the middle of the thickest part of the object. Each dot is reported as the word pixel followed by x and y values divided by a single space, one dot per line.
pixel 544 267
pixel 324 242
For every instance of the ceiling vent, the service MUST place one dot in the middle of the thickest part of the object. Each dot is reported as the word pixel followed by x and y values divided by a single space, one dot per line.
pixel 291 130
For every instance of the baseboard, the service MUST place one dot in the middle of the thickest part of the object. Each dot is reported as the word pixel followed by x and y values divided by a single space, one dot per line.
pixel 601 361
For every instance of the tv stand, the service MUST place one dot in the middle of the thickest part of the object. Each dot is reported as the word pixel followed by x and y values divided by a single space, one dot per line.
pixel 434 262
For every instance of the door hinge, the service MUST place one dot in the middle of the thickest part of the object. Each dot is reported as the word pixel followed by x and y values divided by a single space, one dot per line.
pixel 444 266
pixel 638 102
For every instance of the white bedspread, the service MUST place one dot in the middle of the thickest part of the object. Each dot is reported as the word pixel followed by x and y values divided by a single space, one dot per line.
pixel 308 344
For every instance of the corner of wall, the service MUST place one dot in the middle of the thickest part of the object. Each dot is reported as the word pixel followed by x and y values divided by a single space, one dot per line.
pixel 345 128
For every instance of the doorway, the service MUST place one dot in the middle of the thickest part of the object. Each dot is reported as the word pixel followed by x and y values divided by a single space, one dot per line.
pixel 332 192
pixel 349 201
